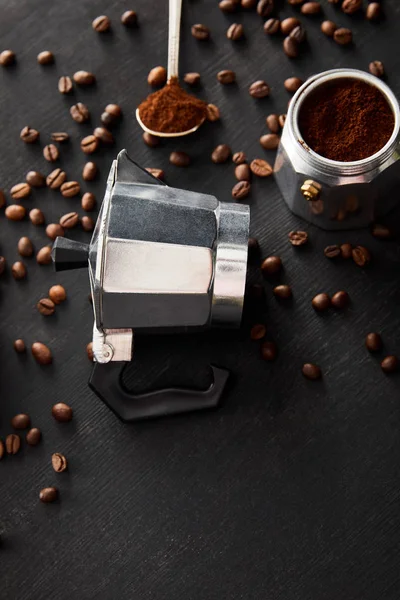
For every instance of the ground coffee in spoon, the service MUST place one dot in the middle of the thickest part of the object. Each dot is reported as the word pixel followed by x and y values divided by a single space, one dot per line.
pixel 346 120
pixel 172 110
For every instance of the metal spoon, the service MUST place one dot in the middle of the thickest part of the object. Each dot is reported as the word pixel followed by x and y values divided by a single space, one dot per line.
pixel 175 9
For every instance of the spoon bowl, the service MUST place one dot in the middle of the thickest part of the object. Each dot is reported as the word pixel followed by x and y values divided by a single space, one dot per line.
pixel 166 135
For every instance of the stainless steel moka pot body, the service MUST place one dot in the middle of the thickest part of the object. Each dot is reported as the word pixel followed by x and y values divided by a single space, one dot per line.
pixel 332 194
pixel 160 259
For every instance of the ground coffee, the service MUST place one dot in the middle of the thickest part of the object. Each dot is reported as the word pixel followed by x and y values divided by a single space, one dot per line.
pixel 171 110
pixel 346 120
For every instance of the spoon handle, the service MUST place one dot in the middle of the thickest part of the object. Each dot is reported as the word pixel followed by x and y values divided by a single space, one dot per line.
pixel 175 8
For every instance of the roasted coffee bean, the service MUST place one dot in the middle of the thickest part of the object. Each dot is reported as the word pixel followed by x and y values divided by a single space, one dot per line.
pixel 298 34
pixel 56 178
pixel 33 436
pixel 290 47
pixel 272 26
pixel 283 291
pixel 112 113
pixel 351 6
pixel 29 135
pixel 226 76
pixel 390 364
pixel 89 144
pixel 18 270
pixel 150 140
pixel 298 238
pixel 311 371
pixel 259 89
pixel 373 11
pixel 54 230
pixel 15 212
pixel 311 8
pixel 235 32
pixel 242 172
pixel 332 251
pixel 179 159
pixel 192 78
pixel 335 1
pixel 25 246
pixel 376 68
pixel 292 84
pixel 381 232
pixel 59 462
pixel 340 299
pixel 88 201
pixel 57 294
pixel 343 36
pixel 328 28
pixel 20 190
pixel 69 220
pixel 62 412
pixel 21 421
pixel 248 3
pixel 361 256
pixel 114 109
pixel 65 85
pixel 49 494
pixel 157 77
pixel 45 57
pixel 261 168
pixel 107 119
pixel 2 449
pixel 287 25
pixel 2 199
pixel 129 18
pixel 43 257
pixel 13 443
pixel 35 179
pixel 158 173
pixel 265 8
pixel 103 135
pixel 41 353
pixel 321 302
pixel 346 251
pixel 2 265
pixel 273 123
pixel 7 58
pixel 46 307
pixel 89 171
pixel 87 223
pixel 295 2
pixel 221 154
pixel 79 112
pixel 241 190
pixel 51 153
pixel 228 6
pixel 89 351
pixel 373 342
pixel 253 248
pixel 269 141
pixel 258 332
pixel 239 158
pixel 19 346
pixel 69 189
pixel 271 265
pixel 282 120
pixel 84 78
pixel 269 351
pixel 212 113
pixel 101 24
pixel 200 32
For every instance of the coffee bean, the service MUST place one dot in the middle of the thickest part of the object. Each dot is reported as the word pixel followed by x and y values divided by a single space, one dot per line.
pixel 343 36
pixel 18 270
pixel 35 179
pixel 65 85
pixel 88 201
pixel 321 302
pixel 69 220
pixel 311 371
pixel 51 153
pixel 361 256
pixel 332 251
pixel 271 265
pixel 21 421
pixel 287 25
pixel 69 189
pixel 43 257
pixel 62 412
pixel 239 158
pixel 2 265
pixel 351 6
pixel 335 1
pixel 54 230
pixel 33 436
pixel 87 223
pixel 298 34
pixel 89 144
pixel 41 353
pixel 56 178
pixel 269 351
pixel 20 190
pixel 376 68
pixel 248 3
pixel 15 212
pixel 179 159
pixel 228 6
pixel 241 190
pixel 7 58
pixel 49 494
pixel 103 135
pixel 235 32
pixel 311 8
pixel 258 332
pixel 290 47
pixel 390 364
pixel 59 462
pixel 242 172
pixel 150 140
pixel 158 173
pixel 212 113
pixel 79 112
pixel 25 246
pixel 381 232
pixel 111 115
pixel 295 2
pixel 46 307
pixel 89 351
pixel 101 24
pixel 346 251
pixel 282 120
pixel 261 168
pixel 253 247
pixel 265 8
pixel 298 238
pixel 200 32
pixel 292 84
pixel 107 119
pixel 2 449
pixel 129 18
pixel 157 77
pixel 340 299
pixel 2 199
pixel 84 78
pixel 221 154
pixel 373 11
pixel 57 294
pixel 273 123
pixel 89 171
pixel 269 141
pixel 45 57
pixel 114 109
pixel 13 443
pixel 272 26
pixel 192 78
pixel 226 77
pixel 328 28
pixel 283 291
pixel 19 346
pixel 373 342
pixel 259 89
pixel 29 135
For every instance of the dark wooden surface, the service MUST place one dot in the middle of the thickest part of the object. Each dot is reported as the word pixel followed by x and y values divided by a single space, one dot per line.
pixel 290 491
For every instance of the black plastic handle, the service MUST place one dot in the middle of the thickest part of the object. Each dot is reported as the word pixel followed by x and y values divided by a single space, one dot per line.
pixel 106 382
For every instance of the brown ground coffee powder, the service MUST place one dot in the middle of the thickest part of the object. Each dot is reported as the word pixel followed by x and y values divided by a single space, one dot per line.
pixel 346 120
pixel 172 110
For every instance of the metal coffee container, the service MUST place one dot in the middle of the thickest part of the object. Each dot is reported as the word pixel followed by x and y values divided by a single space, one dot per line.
pixel 329 193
